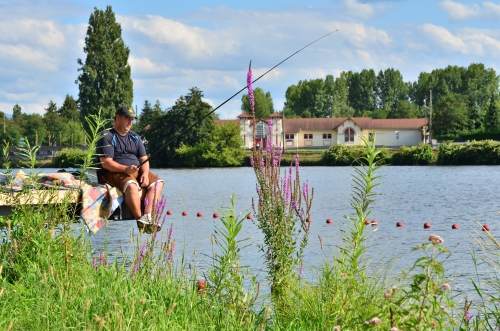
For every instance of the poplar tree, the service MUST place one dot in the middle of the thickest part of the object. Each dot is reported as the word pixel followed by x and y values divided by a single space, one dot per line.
pixel 104 80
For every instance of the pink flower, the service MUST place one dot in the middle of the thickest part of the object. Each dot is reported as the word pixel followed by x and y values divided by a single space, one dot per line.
pixel 435 239
pixel 446 286
pixel 374 321
pixel 387 295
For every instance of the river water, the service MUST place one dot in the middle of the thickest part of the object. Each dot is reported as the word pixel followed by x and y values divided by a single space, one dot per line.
pixel 413 195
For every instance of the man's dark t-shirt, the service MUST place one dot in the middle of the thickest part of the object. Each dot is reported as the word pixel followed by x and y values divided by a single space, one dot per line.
pixel 125 150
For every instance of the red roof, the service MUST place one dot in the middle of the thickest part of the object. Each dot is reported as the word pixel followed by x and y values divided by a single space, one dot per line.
pixel 275 114
pixel 244 115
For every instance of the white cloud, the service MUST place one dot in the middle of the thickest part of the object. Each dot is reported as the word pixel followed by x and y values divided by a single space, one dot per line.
pixel 145 67
pixel 29 57
pixel 195 42
pixel 362 10
pixel 468 41
pixel 459 12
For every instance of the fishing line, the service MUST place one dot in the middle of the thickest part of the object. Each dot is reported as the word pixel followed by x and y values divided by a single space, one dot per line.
pixel 201 119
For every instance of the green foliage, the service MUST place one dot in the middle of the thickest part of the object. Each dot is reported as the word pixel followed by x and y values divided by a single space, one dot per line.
pixel 342 155
pixel 450 115
pixel 69 109
pixel 104 83
pixel 186 111
pixel 221 149
pixel 422 154
pixel 28 156
pixel 226 276
pixel 16 111
pixel 69 157
pixel 149 115
pixel 492 120
pixel 308 99
pixel 485 152
pixel 263 103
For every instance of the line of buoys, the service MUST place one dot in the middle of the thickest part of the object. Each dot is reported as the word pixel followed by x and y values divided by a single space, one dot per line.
pixel 367 222
pixel 486 227
pixel 427 225
pixel 454 226
pixel 249 217
pixel 169 212
pixel 399 224
pixel 199 214
pixel 309 220
pixel 184 213
pixel 329 221
pixel 374 222
pixel 216 215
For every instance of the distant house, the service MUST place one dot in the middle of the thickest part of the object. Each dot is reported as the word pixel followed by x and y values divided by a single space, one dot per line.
pixel 327 132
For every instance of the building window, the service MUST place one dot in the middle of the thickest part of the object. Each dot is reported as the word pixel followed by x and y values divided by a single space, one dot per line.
pixel 327 136
pixel 289 136
pixel 349 135
pixel 308 136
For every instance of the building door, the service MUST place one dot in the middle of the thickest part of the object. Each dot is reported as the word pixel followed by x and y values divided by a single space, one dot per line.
pixel 261 141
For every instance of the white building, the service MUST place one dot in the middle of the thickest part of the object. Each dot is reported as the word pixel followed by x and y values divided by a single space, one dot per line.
pixel 327 132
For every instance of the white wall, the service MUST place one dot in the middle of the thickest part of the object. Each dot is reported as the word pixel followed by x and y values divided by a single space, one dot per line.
pixel 388 137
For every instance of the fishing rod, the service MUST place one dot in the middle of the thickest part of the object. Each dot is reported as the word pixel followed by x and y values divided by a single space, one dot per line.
pixel 201 119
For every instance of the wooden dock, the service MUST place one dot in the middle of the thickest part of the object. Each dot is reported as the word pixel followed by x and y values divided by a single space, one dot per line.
pixel 37 197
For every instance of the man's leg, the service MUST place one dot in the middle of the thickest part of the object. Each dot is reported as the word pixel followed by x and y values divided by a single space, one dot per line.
pixel 153 192
pixel 133 200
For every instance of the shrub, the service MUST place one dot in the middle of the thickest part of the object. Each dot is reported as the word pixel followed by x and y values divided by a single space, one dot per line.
pixel 69 157
pixel 485 152
pixel 415 155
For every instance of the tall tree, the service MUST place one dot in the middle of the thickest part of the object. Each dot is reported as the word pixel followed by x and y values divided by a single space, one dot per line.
pixel 146 117
pixel 51 108
pixel 492 121
pixel 16 111
pixel 451 115
pixel 263 103
pixel 362 87
pixel 475 117
pixel 104 81
pixel 69 109
pixel 390 90
pixel 186 111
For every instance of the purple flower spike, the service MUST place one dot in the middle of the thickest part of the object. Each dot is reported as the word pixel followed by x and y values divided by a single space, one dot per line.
pixel 146 202
pixel 250 91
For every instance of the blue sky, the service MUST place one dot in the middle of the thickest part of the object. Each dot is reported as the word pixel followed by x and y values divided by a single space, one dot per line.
pixel 175 45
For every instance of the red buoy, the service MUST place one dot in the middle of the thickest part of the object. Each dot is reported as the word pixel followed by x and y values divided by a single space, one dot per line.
pixel 399 224
pixel 367 222
pixel 216 215
pixel 184 213
pixel 169 212
pixel 249 216
pixel 427 225
pixel 374 223
pixel 486 227
pixel 329 221
pixel 454 226
pixel 199 214
pixel 309 220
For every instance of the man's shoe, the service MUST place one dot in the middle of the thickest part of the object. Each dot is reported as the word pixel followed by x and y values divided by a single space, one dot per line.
pixel 145 224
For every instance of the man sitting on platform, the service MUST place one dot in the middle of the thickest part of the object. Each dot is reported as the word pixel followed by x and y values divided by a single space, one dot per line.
pixel 121 152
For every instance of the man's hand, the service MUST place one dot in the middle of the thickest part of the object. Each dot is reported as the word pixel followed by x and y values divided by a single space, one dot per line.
pixel 144 180
pixel 132 169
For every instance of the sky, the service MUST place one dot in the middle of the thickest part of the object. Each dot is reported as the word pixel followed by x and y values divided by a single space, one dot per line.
pixel 176 45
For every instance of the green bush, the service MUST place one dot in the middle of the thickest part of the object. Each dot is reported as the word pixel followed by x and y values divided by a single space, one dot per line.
pixel 341 155
pixel 415 155
pixel 69 157
pixel 485 152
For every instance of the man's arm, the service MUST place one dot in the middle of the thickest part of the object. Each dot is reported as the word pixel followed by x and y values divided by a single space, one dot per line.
pixel 113 166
